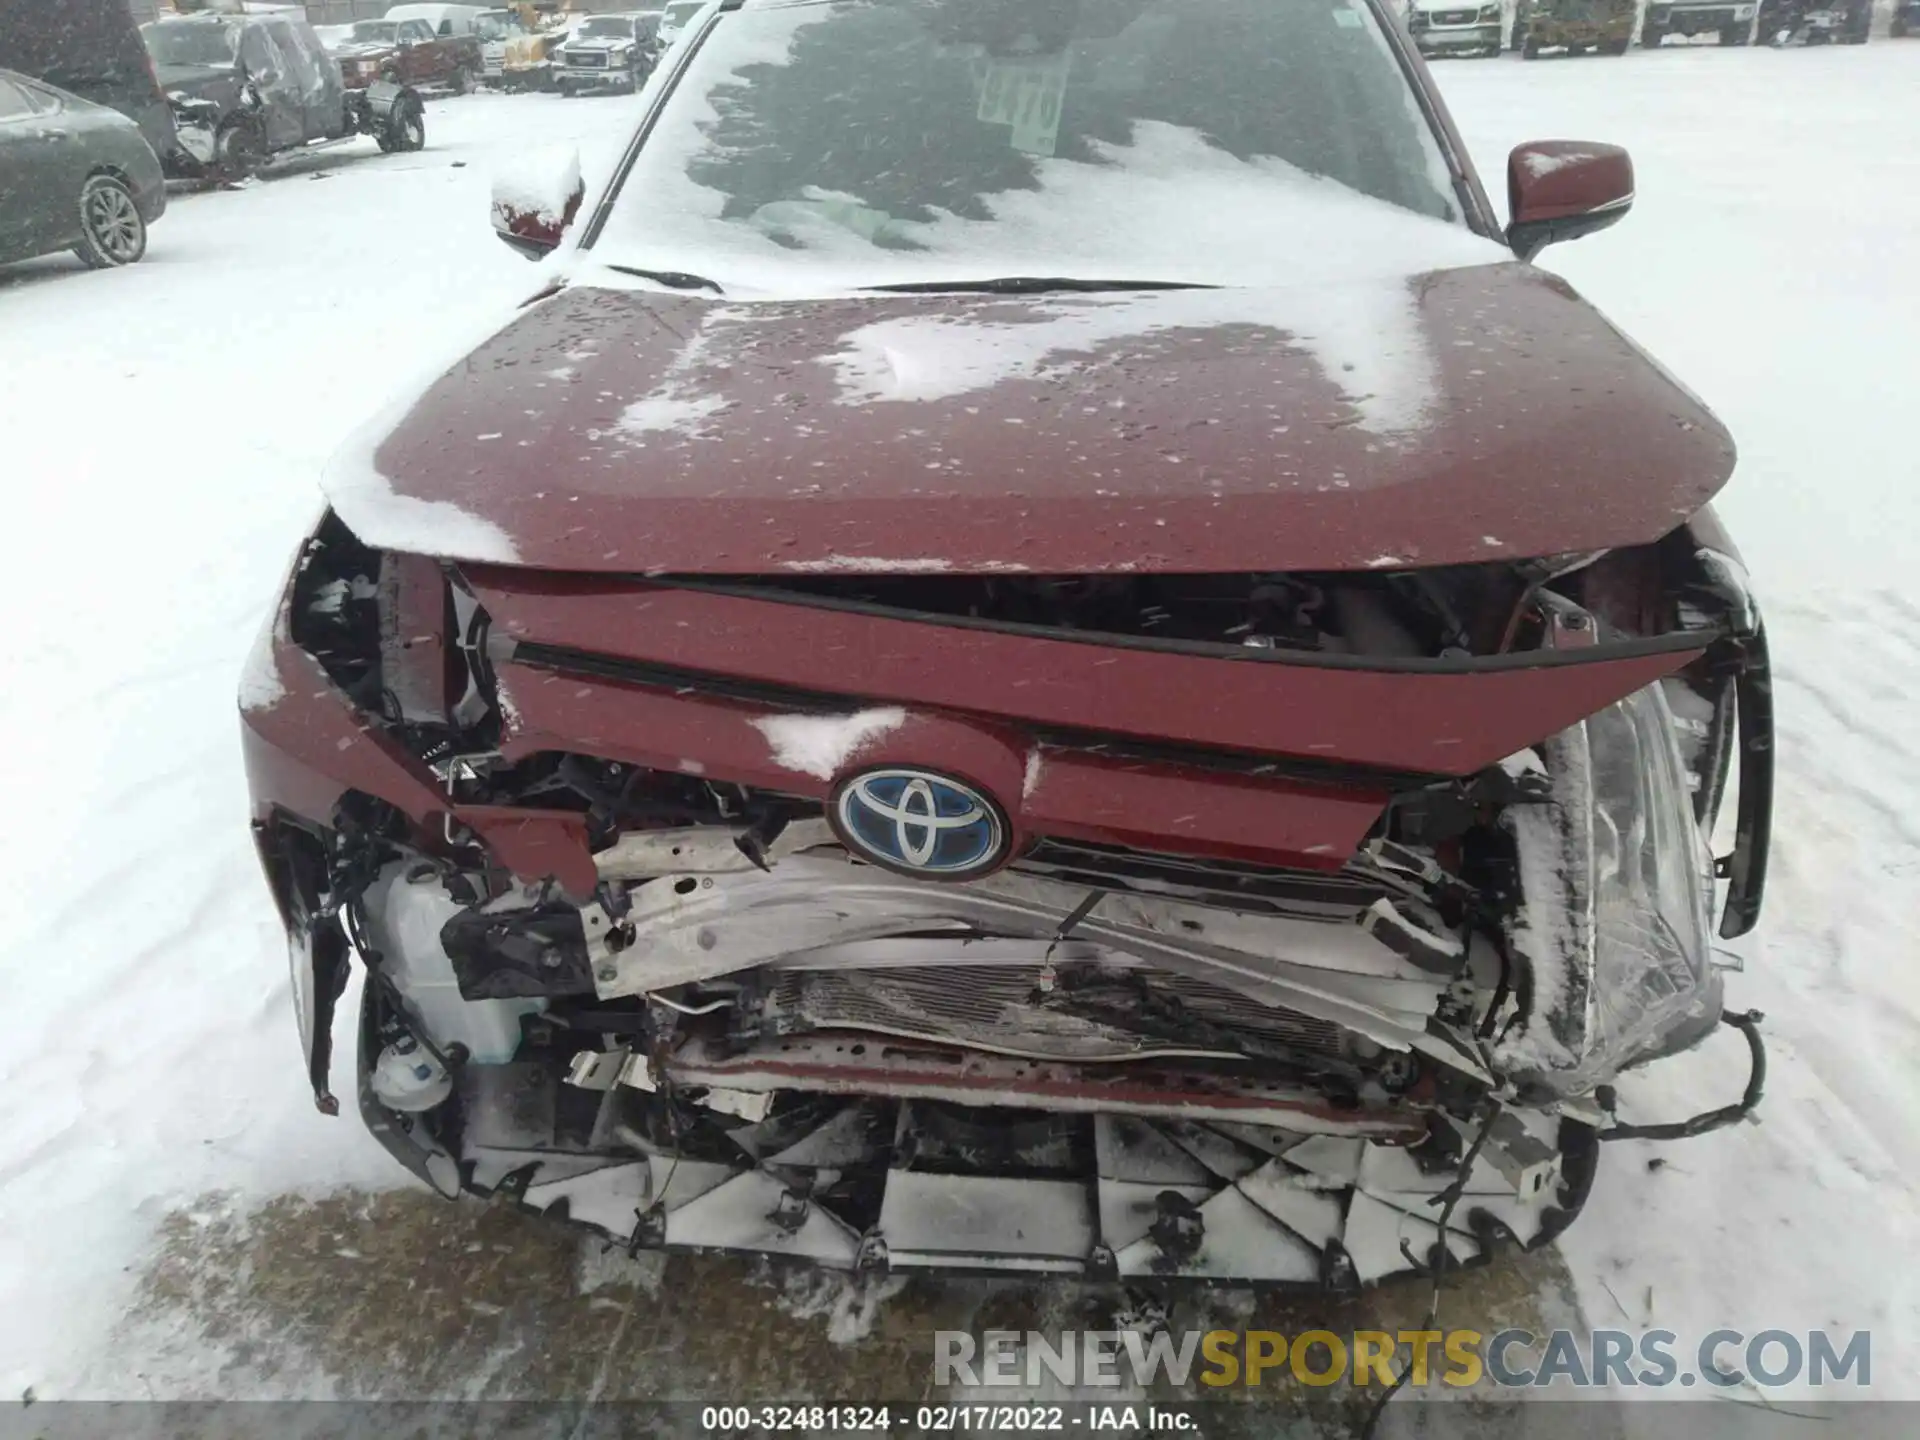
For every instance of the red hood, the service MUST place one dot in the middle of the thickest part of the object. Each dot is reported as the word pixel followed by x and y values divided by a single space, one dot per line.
pixel 1465 415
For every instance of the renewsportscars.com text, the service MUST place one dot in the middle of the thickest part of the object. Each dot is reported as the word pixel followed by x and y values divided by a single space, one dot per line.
pixel 1460 1358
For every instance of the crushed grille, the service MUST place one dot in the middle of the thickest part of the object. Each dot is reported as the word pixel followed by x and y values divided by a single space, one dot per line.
pixel 994 1008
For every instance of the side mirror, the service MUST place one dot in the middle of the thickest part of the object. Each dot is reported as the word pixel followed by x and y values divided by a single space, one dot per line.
pixel 1563 189
pixel 535 201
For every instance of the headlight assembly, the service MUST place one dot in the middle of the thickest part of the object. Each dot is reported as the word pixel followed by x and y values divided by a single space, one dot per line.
pixel 1616 892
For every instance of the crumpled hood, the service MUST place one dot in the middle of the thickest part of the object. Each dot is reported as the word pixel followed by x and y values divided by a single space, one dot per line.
pixel 1465 415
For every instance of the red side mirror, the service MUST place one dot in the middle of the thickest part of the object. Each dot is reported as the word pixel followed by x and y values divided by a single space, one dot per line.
pixel 533 205
pixel 1563 189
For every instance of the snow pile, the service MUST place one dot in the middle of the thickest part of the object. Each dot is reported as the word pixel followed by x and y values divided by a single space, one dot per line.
pixel 849 1303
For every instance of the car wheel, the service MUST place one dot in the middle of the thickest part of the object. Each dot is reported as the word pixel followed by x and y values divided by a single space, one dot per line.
pixel 462 80
pixel 1530 50
pixel 111 230
pixel 406 127
pixel 1897 28
pixel 1614 47
pixel 1735 35
pixel 1651 36
pixel 239 150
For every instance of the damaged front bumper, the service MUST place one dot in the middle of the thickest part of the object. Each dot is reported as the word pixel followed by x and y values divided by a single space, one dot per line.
pixel 1217 1015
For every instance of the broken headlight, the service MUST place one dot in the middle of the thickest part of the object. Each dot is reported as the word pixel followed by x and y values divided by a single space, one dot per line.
pixel 1617 888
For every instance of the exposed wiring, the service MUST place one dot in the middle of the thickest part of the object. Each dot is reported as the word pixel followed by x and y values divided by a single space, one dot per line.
pixel 1747 1022
pixel 654 998
pixel 1450 1198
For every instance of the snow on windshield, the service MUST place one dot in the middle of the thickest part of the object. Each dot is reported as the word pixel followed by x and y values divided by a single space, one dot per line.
pixel 877 141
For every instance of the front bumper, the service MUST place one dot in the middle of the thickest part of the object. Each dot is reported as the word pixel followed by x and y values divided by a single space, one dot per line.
pixel 1699 20
pixel 1285 1108
pixel 593 78
pixel 1451 39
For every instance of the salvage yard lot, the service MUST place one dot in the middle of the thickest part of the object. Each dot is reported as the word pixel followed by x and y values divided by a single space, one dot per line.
pixel 164 426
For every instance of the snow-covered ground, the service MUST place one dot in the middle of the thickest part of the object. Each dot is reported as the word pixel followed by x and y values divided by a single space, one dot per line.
pixel 161 429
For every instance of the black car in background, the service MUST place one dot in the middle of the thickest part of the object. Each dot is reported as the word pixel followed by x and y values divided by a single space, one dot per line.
pixel 1815 22
pixel 92 49
pixel 73 175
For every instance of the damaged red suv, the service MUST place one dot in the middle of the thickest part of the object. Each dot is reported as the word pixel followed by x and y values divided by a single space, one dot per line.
pixel 1045 650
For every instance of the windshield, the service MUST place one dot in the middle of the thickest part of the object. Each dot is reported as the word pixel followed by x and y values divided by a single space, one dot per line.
pixel 608 25
pixel 374 32
pixel 893 141
pixel 194 43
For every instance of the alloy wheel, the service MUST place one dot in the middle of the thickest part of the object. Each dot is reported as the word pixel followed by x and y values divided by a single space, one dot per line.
pixel 112 221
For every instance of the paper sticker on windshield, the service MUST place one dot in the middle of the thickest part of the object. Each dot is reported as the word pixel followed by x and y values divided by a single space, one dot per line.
pixel 1026 94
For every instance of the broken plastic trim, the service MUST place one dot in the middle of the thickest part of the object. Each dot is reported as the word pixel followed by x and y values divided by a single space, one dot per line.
pixel 1612 648
pixel 1745 870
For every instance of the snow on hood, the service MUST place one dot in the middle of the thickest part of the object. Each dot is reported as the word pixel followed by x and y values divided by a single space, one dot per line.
pixel 1464 415
pixel 369 505
pixel 1366 338
pixel 1461 416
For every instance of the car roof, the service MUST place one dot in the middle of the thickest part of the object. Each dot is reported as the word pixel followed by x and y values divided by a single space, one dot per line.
pixel 66 97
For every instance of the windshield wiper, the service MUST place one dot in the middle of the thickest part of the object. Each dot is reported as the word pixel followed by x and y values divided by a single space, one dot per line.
pixel 1035 285
pixel 672 279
